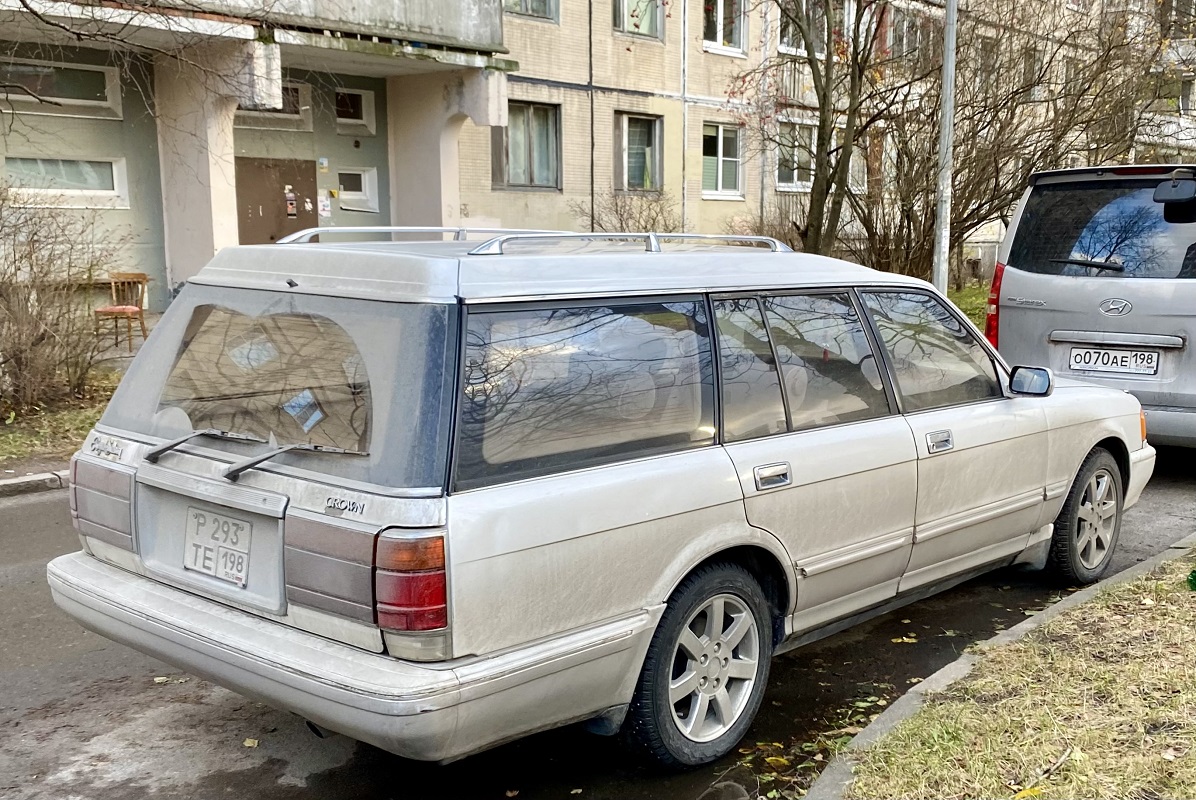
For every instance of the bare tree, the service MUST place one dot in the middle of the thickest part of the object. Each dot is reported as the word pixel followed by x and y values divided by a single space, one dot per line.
pixel 630 212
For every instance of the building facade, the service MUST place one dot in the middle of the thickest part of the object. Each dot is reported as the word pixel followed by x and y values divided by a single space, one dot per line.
pixel 183 132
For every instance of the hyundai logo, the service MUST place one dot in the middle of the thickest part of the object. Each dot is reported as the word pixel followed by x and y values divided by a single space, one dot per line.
pixel 1115 307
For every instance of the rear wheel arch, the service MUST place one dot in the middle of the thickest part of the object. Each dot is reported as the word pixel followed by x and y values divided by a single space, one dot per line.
pixel 766 567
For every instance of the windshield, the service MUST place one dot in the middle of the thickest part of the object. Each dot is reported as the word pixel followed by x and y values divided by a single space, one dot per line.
pixel 1102 221
pixel 289 369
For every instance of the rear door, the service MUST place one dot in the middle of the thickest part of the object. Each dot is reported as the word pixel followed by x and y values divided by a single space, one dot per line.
pixel 981 455
pixel 824 461
pixel 1129 326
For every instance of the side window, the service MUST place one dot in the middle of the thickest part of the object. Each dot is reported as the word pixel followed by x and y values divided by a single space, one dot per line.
pixel 937 361
pixel 752 403
pixel 830 373
pixel 554 389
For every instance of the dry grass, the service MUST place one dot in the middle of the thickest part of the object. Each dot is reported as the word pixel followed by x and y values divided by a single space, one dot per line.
pixel 54 434
pixel 1105 694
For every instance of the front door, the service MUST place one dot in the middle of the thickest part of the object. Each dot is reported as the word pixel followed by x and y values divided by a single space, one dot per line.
pixel 981 455
pixel 275 198
pixel 824 462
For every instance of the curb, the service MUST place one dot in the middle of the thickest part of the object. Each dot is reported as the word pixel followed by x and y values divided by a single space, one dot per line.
pixel 834 780
pixel 41 482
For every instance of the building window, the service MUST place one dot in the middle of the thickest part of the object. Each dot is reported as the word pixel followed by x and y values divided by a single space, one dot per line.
pixel 795 155
pixel 527 151
pixel 38 87
pixel 295 114
pixel 723 23
pixel 1034 74
pixel 638 152
pixel 531 8
pixel 638 16
pixel 814 12
pixel 355 112
pixel 720 159
pixel 358 189
pixel 69 183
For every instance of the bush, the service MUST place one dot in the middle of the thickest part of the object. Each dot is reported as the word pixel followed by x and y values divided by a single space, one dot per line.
pixel 49 258
pixel 630 212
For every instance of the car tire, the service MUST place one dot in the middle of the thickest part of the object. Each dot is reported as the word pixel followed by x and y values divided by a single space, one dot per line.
pixel 1088 526
pixel 705 671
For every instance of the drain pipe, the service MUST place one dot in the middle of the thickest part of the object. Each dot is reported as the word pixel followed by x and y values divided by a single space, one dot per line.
pixel 593 143
pixel 684 113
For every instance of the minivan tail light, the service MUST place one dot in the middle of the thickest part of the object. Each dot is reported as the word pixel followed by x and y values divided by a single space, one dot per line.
pixel 992 311
pixel 410 583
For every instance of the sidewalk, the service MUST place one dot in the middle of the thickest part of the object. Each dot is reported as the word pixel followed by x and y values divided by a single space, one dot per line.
pixel 1093 697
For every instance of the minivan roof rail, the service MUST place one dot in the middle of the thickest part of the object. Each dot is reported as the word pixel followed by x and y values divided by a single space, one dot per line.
pixel 494 247
pixel 459 233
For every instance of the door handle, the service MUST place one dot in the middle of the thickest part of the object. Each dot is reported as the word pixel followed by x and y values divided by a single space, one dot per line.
pixel 939 441
pixel 772 476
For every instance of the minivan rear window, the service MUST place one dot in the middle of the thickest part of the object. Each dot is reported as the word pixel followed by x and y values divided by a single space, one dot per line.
pixel 372 378
pixel 1107 221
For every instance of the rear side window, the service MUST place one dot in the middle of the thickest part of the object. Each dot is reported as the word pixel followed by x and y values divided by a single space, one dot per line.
pixel 752 403
pixel 553 389
pixel 936 360
pixel 1105 221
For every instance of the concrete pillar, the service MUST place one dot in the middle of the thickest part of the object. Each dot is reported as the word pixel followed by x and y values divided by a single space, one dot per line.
pixel 425 114
pixel 195 97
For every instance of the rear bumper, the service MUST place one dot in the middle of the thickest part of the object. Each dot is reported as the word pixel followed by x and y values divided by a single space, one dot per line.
pixel 1171 426
pixel 1141 468
pixel 430 713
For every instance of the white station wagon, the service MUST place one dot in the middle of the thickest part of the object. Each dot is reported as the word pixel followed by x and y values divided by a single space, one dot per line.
pixel 439 495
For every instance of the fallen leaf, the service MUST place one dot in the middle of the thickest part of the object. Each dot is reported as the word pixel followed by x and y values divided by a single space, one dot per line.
pixel 882 702
pixel 1032 791
pixel 1172 753
pixel 512 792
pixel 575 791
pixel 250 742
pixel 914 680
pixel 905 640
pixel 905 622
pixel 161 680
pixel 1146 601
pixel 949 632
pixel 777 762
pixel 1029 612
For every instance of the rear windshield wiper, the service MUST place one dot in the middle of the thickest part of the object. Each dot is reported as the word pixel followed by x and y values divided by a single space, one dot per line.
pixel 234 470
pixel 153 455
pixel 1083 262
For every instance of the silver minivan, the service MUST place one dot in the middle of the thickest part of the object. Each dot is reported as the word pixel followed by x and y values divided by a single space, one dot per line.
pixel 439 495
pixel 1096 279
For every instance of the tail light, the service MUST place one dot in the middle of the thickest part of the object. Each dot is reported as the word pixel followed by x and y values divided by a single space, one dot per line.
pixel 1142 422
pixel 410 586
pixel 992 312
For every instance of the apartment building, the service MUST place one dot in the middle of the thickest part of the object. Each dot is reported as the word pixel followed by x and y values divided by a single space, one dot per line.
pixel 630 97
pixel 185 127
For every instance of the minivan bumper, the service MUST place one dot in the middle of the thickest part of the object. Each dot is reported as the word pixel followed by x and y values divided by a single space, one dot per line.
pixel 424 712
pixel 1170 425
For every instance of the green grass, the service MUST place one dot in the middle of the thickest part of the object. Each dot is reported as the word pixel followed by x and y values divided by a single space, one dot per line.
pixel 971 301
pixel 54 433
pixel 1098 703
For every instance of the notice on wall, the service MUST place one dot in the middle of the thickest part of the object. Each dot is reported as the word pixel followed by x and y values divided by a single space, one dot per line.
pixel 324 203
pixel 322 163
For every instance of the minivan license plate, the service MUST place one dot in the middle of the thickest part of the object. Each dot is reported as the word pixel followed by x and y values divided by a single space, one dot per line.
pixel 217 545
pixel 1097 359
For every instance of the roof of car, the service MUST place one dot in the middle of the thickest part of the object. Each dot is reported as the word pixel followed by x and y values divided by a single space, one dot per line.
pixel 445 271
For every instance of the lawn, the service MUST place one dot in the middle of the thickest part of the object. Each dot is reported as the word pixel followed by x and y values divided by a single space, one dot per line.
pixel 1098 703
pixel 971 301
pixel 53 434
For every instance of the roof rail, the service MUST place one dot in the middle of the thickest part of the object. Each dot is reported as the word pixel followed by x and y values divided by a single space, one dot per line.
pixel 494 247
pixel 459 234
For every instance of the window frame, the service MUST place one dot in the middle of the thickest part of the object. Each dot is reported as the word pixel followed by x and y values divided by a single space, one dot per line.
pixel 553 15
pixel 655 163
pixel 365 201
pixel 887 381
pixel 717 46
pixel 721 193
pixel 35 197
pixel 14 102
pixel 698 298
pixel 796 47
pixel 367 125
pixel 796 185
pixel 500 143
pixel 619 9
pixel 1000 368
pixel 280 120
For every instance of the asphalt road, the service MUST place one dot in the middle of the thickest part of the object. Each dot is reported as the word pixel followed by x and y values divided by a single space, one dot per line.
pixel 81 717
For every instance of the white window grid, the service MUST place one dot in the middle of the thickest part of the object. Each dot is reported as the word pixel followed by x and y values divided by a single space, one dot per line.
pixel 16 101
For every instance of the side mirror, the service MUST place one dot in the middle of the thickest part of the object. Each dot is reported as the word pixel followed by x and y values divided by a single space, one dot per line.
pixel 1033 381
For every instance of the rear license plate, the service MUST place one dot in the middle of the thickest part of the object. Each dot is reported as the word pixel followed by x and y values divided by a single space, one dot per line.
pixel 217 545
pixel 1099 359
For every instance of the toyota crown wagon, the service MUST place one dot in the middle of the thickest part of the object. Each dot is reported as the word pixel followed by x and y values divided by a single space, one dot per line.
pixel 439 495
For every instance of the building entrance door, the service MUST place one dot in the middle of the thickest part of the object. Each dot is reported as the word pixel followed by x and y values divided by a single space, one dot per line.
pixel 275 198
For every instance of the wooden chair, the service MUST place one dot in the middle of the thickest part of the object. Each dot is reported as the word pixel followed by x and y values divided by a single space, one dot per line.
pixel 128 303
